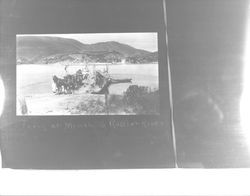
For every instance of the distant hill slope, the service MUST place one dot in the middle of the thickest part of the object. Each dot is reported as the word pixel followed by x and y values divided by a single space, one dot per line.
pixel 111 46
pixel 145 58
pixel 45 49
pixel 95 57
pixel 33 48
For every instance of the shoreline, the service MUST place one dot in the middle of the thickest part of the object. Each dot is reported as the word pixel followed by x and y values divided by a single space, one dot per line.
pixel 90 64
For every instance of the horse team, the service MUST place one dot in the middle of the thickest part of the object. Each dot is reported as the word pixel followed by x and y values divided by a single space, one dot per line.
pixel 69 83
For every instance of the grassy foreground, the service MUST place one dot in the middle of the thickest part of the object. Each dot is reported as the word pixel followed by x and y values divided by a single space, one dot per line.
pixel 135 100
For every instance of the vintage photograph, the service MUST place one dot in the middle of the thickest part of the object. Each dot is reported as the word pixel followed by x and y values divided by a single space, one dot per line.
pixel 87 74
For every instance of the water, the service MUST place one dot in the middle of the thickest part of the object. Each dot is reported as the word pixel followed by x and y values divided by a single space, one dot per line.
pixel 37 78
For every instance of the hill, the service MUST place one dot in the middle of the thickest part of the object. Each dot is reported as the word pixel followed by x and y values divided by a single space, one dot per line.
pixel 145 58
pixel 33 48
pixel 124 49
pixel 45 49
pixel 93 57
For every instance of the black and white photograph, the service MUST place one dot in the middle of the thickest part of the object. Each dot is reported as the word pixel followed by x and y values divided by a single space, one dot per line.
pixel 87 74
pixel 115 97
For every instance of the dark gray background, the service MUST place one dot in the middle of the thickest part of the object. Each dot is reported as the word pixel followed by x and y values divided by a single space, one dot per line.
pixel 83 142
pixel 206 45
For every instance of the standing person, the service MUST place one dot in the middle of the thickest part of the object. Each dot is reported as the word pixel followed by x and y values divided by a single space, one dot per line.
pixel 66 69
pixel 53 87
pixel 86 69
pixel 22 108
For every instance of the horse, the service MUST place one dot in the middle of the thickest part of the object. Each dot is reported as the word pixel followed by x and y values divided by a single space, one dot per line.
pixel 68 83
pixel 79 78
pixel 71 83
pixel 60 83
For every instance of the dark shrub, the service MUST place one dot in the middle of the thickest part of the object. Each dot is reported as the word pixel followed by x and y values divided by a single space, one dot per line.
pixel 142 100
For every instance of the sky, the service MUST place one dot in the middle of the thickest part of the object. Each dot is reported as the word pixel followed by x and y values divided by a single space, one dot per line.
pixel 146 41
